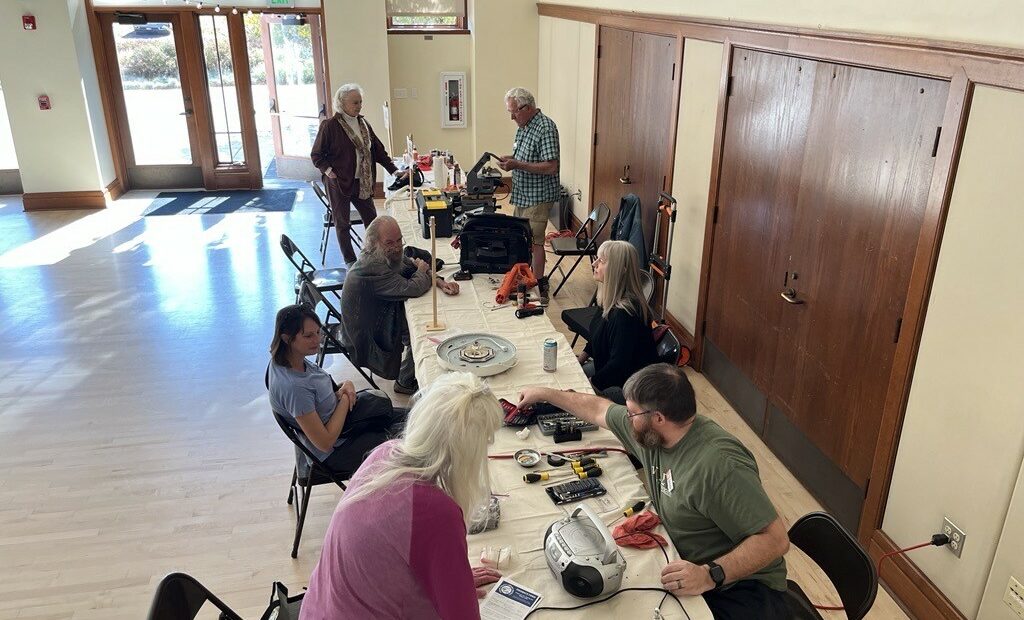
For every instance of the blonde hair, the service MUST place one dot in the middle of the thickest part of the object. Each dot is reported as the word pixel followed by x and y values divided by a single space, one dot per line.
pixel 343 91
pixel 621 287
pixel 444 443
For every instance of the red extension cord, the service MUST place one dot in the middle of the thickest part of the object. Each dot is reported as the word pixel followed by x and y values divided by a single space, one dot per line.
pixel 880 560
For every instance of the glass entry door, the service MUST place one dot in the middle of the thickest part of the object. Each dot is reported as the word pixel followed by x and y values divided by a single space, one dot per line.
pixel 182 99
pixel 153 100
pixel 289 91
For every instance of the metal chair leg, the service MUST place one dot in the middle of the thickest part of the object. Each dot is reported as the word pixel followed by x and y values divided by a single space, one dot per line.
pixel 302 515
pixel 291 487
pixel 567 276
pixel 574 339
pixel 369 377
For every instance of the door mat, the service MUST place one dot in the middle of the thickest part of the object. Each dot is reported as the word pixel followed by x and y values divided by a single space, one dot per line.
pixel 213 203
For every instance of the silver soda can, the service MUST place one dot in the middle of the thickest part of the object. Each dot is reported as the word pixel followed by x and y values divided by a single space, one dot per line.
pixel 550 355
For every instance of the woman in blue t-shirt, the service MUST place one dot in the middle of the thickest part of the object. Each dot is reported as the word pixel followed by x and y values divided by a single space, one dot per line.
pixel 621 341
pixel 337 425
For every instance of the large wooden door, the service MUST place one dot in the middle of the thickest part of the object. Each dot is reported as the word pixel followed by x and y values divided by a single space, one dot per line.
pixel 612 124
pixel 636 83
pixel 825 175
pixel 857 218
pixel 767 125
pixel 654 81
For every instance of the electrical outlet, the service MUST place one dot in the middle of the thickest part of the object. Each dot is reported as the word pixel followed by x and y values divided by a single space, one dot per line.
pixel 957 537
pixel 1014 597
pixel 413 93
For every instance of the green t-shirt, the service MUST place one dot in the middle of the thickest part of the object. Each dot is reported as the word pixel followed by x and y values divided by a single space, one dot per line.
pixel 706 490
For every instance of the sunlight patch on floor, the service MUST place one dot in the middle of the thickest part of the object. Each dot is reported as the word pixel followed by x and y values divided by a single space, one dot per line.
pixel 56 246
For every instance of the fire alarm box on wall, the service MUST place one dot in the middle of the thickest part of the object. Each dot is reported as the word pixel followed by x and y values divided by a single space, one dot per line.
pixel 44 102
pixel 28 22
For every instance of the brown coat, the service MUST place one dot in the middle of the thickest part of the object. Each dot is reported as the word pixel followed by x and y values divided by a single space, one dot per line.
pixel 333 149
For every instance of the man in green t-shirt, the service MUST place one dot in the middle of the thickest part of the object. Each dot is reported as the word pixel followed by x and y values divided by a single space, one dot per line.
pixel 705 487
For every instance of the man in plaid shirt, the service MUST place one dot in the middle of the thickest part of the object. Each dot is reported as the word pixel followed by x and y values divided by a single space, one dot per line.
pixel 534 166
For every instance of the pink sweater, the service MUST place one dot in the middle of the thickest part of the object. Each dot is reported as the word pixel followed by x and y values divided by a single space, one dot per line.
pixel 396 554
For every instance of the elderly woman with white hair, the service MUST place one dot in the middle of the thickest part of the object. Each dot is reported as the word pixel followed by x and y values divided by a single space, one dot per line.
pixel 346 151
pixel 621 341
pixel 396 546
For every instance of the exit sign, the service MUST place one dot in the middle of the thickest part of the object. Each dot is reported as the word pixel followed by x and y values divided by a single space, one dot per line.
pixel 281 4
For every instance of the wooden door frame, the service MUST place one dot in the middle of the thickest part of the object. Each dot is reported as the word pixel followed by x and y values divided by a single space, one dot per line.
pixel 120 183
pixel 963 65
pixel 113 92
pixel 319 72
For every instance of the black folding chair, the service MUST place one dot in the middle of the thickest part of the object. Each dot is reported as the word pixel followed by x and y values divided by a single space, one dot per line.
pixel 324 280
pixel 668 348
pixel 583 243
pixel 180 597
pixel 317 474
pixel 354 219
pixel 841 558
pixel 330 340
pixel 578 320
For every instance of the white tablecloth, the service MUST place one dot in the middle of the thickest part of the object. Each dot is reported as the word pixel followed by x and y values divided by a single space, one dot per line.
pixel 526 512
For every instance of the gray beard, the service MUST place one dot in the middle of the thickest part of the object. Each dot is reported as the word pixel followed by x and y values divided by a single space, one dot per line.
pixel 378 253
pixel 648 437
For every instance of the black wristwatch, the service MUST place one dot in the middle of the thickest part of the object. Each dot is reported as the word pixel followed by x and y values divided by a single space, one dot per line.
pixel 717 574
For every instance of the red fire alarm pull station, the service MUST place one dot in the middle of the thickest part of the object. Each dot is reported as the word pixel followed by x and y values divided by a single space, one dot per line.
pixel 28 22
pixel 44 102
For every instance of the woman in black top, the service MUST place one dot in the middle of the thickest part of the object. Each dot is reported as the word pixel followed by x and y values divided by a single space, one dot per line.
pixel 621 342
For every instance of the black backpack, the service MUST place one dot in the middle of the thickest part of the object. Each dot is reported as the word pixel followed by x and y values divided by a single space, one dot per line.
pixel 493 242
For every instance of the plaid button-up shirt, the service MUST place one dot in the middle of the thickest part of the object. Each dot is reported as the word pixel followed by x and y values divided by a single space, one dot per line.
pixel 536 142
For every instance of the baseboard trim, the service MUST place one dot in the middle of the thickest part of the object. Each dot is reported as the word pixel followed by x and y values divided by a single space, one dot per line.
pixel 685 337
pixel 908 584
pixel 115 189
pixel 59 201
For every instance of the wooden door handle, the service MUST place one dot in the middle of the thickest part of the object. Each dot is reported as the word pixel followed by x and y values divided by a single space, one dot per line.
pixel 789 296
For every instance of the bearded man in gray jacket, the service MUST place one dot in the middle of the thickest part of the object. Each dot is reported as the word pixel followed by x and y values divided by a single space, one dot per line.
pixel 374 329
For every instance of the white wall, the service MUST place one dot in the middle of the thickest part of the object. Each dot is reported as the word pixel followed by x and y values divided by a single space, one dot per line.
pixel 505 38
pixel 91 86
pixel 54 147
pixel 962 443
pixel 695 141
pixel 565 92
pixel 416 63
pixel 1009 559
pixel 992 22
pixel 357 51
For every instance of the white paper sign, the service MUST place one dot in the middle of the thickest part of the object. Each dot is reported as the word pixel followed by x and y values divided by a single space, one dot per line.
pixel 508 600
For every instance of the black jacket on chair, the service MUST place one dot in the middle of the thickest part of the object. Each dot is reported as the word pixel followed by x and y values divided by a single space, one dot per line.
pixel 628 226
pixel 620 345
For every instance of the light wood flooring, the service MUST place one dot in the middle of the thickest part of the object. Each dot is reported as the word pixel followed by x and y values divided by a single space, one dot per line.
pixel 135 434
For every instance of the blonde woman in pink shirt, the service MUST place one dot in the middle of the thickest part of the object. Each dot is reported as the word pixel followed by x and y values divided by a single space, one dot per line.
pixel 396 546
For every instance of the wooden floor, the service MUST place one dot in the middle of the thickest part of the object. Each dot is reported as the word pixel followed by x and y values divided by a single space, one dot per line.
pixel 135 434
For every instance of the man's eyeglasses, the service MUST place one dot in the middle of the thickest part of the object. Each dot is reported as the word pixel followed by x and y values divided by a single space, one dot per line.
pixel 639 413
pixel 513 113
